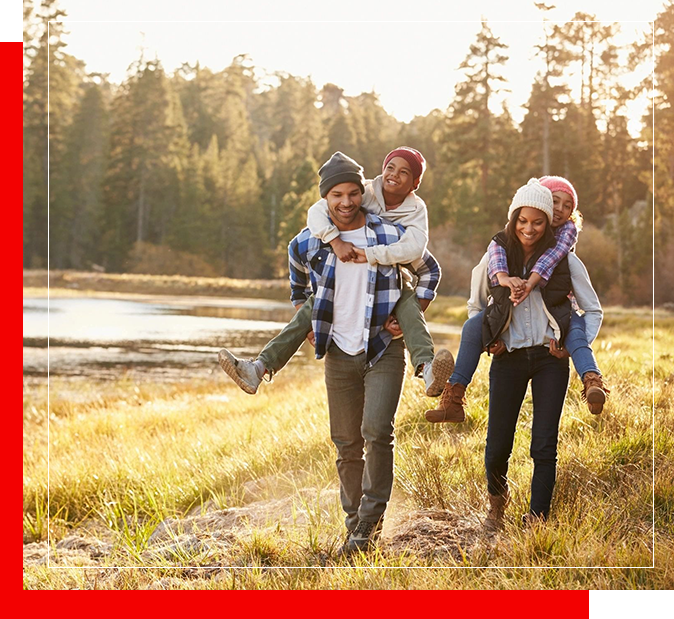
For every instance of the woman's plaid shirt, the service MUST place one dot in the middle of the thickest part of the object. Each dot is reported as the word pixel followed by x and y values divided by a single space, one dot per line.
pixel 312 270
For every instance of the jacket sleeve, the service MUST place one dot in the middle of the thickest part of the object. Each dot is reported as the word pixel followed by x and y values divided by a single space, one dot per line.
pixel 479 290
pixel 428 272
pixel 587 298
pixel 566 236
pixel 412 244
pixel 498 262
pixel 319 223
pixel 300 283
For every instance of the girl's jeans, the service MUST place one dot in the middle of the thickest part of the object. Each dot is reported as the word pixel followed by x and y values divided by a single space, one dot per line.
pixel 471 348
pixel 509 376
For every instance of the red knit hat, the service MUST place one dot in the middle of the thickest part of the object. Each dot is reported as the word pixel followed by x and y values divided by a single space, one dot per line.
pixel 413 157
pixel 558 183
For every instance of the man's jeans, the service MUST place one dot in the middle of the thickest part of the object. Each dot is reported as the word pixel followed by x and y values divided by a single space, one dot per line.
pixel 362 402
pixel 509 375
pixel 279 350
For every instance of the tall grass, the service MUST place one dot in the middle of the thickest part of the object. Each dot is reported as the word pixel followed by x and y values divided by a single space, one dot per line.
pixel 125 456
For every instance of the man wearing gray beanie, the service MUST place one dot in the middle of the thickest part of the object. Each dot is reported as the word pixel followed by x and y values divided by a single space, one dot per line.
pixel 340 168
pixel 364 365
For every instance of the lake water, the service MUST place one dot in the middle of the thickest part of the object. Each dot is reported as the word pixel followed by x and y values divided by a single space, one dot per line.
pixel 166 337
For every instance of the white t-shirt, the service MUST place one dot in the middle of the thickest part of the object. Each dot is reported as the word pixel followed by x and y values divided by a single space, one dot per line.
pixel 350 294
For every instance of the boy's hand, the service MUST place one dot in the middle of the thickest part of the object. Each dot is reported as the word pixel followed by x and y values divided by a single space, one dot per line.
pixel 556 350
pixel 391 325
pixel 361 256
pixel 344 250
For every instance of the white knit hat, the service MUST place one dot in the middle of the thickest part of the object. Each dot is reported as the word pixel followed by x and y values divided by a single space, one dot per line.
pixel 535 195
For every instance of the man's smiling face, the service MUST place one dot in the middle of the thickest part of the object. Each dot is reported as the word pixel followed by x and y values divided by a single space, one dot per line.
pixel 344 201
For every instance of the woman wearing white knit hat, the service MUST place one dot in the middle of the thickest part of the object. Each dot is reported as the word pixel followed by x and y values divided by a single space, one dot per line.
pixel 519 336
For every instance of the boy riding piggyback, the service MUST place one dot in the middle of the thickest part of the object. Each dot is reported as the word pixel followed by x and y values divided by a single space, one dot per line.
pixel 391 196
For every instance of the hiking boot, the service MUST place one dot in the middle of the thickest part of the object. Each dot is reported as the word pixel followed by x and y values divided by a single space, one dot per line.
pixel 437 372
pixel 362 538
pixel 532 520
pixel 241 371
pixel 497 505
pixel 451 405
pixel 594 392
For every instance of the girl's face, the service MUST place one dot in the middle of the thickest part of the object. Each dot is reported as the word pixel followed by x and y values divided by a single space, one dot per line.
pixel 562 207
pixel 530 226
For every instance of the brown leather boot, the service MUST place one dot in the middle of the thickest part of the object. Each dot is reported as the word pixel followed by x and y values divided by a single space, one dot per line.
pixel 594 392
pixel 451 405
pixel 497 505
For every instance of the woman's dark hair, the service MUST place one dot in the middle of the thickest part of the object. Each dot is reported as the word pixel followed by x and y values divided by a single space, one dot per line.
pixel 514 247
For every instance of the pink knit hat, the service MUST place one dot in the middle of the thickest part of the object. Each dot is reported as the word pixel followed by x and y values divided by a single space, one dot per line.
pixel 413 157
pixel 558 183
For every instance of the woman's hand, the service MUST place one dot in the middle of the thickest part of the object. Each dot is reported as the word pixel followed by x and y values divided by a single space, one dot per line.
pixel 556 350
pixel 391 325
pixel 497 348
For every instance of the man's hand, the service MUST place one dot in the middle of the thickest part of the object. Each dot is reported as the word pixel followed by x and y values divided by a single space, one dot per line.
pixel 343 250
pixel 361 256
pixel 311 338
pixel 391 325
pixel 556 350
pixel 497 348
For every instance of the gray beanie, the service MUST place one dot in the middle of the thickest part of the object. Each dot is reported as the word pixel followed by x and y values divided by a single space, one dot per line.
pixel 535 195
pixel 340 169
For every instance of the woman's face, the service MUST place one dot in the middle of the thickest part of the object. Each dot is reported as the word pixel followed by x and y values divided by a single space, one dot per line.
pixel 530 226
pixel 562 205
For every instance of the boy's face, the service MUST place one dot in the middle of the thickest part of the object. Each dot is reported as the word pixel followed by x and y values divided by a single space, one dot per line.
pixel 344 202
pixel 562 205
pixel 397 177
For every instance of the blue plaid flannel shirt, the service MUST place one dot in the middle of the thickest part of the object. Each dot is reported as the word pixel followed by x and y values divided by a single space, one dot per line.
pixel 566 236
pixel 312 270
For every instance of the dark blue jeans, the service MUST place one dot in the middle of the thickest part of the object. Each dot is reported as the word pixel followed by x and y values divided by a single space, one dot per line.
pixel 509 376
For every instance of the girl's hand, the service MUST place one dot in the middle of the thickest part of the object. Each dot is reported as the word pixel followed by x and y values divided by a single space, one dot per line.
pixel 524 293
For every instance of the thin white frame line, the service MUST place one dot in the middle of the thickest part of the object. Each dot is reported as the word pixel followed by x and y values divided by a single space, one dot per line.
pixel 653 281
pixel 48 299
pixel 346 21
pixel 367 567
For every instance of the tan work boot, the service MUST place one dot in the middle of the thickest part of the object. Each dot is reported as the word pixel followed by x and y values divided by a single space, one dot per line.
pixel 497 505
pixel 594 392
pixel 451 405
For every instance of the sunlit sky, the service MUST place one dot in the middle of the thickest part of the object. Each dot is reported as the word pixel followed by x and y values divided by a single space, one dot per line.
pixel 407 52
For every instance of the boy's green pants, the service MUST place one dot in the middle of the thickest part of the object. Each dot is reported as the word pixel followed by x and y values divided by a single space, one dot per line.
pixel 418 340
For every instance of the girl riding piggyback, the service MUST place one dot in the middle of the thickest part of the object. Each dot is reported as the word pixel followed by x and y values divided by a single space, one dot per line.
pixel 566 224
